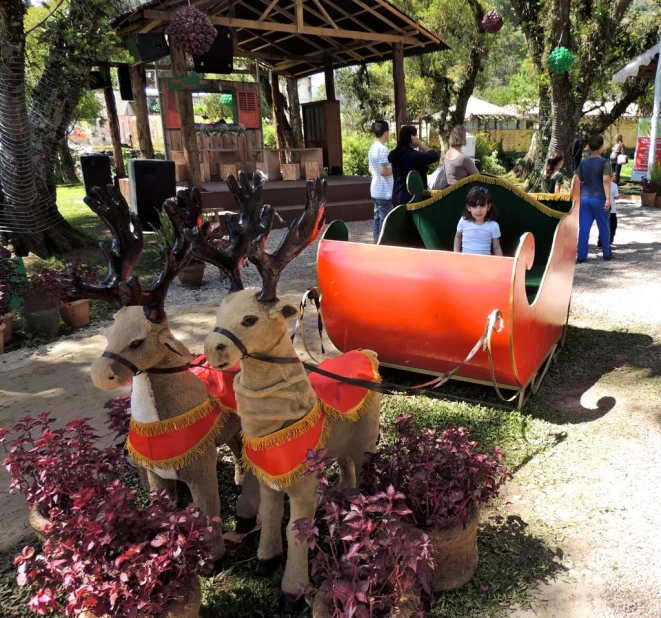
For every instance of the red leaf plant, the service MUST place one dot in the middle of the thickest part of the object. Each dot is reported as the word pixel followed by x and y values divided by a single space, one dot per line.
pixel 119 415
pixel 443 477
pixel 111 557
pixel 49 466
pixel 368 555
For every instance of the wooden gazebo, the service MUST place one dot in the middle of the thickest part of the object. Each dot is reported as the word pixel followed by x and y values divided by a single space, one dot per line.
pixel 294 38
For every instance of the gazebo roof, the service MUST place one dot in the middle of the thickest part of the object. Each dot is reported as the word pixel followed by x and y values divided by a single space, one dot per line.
pixel 293 36
pixel 643 66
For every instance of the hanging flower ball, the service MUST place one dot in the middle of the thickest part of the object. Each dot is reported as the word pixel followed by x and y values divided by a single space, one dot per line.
pixel 560 59
pixel 192 30
pixel 492 22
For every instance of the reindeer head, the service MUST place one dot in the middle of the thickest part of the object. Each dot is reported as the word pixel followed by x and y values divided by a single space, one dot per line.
pixel 140 338
pixel 256 321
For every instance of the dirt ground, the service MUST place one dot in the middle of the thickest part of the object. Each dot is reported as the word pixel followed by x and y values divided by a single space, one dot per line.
pixel 596 494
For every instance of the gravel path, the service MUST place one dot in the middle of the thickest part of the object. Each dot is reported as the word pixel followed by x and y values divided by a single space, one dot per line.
pixel 596 494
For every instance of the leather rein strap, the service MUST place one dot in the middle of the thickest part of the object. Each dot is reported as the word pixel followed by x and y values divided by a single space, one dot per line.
pixel 494 323
pixel 135 371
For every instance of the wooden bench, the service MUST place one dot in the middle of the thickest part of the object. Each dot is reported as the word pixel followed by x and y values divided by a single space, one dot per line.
pixel 271 165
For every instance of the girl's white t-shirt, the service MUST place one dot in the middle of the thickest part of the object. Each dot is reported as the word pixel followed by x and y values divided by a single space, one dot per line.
pixel 477 239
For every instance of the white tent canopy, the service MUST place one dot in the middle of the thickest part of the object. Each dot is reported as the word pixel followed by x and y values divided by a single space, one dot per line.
pixel 632 69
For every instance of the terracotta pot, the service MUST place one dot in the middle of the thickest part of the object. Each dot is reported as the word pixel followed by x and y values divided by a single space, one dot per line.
pixel 190 610
pixel 322 606
pixel 38 522
pixel 455 554
pixel 647 199
pixel 8 321
pixel 46 321
pixel 76 314
pixel 192 275
pixel 2 338
pixel 657 201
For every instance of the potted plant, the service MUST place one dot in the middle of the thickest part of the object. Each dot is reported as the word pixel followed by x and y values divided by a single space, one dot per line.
pixel 41 297
pixel 655 178
pixel 445 481
pixel 10 280
pixel 114 558
pixel 191 275
pixel 647 192
pixel 367 562
pixel 76 314
pixel 48 465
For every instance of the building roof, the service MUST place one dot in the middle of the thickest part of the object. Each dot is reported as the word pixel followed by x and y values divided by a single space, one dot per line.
pixel 293 36
pixel 477 108
pixel 643 66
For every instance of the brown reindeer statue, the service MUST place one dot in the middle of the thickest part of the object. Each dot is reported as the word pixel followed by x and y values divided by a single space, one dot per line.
pixel 283 412
pixel 175 423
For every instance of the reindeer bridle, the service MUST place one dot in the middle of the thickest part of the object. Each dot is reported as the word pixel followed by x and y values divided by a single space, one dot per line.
pixel 267 358
pixel 125 362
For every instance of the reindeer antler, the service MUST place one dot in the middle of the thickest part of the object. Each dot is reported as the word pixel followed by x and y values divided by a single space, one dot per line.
pixel 184 211
pixel 299 235
pixel 254 219
pixel 122 254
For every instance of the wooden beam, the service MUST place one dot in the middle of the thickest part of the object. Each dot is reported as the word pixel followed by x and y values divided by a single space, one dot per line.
pixel 113 125
pixel 269 8
pixel 323 11
pixel 376 14
pixel 300 17
pixel 330 77
pixel 411 22
pixel 270 26
pixel 186 118
pixel 138 84
pixel 399 84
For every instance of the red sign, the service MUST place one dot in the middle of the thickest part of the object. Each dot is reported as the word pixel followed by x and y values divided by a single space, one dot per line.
pixel 642 154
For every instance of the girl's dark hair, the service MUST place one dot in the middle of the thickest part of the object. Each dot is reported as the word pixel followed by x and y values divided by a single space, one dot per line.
pixel 479 196
pixel 551 162
pixel 405 134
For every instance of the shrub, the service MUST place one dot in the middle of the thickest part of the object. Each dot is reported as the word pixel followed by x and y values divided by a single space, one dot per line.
pixel 119 415
pixel 111 557
pixel 49 466
pixel 655 176
pixel 268 131
pixel 444 478
pixel 370 558
pixel 355 147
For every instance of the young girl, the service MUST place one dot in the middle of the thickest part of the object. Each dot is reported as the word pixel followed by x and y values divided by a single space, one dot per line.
pixel 553 180
pixel 477 232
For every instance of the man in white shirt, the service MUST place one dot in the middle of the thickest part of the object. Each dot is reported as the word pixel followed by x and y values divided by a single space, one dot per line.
pixel 381 171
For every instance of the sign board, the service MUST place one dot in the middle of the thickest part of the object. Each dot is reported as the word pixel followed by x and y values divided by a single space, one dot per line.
pixel 641 157
pixel 193 82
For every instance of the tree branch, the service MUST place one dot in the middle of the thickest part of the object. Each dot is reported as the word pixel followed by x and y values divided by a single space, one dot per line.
pixel 45 19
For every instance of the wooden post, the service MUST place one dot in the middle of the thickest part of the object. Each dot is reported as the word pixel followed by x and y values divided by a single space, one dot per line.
pixel 113 125
pixel 400 85
pixel 278 115
pixel 330 78
pixel 138 84
pixel 187 119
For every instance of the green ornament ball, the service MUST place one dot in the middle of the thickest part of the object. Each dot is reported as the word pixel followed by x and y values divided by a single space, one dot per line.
pixel 560 59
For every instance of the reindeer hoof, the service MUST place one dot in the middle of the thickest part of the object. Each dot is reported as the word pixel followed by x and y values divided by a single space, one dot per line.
pixel 290 603
pixel 245 524
pixel 266 568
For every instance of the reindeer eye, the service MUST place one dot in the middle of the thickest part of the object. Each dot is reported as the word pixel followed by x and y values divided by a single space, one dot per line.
pixel 136 343
pixel 249 320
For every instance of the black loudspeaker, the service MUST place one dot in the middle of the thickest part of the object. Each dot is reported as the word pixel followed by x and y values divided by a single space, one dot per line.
pixel 220 58
pixel 96 171
pixel 124 79
pixel 100 79
pixel 147 47
pixel 152 181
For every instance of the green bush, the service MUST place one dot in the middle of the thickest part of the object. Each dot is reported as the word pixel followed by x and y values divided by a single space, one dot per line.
pixel 355 147
pixel 483 146
pixel 268 130
pixel 491 164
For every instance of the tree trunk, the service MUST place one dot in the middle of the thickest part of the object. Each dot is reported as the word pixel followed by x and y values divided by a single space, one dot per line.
pixel 279 118
pixel 67 163
pixel 138 84
pixel 295 119
pixel 530 167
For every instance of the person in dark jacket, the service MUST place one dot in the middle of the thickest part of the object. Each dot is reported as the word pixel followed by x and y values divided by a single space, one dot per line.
pixel 405 158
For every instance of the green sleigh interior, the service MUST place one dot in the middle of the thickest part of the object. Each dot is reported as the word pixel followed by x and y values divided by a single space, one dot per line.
pixel 434 226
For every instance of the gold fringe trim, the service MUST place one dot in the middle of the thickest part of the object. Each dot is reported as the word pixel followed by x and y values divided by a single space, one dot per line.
pixel 181 461
pixel 182 421
pixel 490 180
pixel 552 197
pixel 282 436
pixel 285 480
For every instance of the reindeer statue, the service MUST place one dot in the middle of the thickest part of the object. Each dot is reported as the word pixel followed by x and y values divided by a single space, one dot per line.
pixel 283 412
pixel 175 424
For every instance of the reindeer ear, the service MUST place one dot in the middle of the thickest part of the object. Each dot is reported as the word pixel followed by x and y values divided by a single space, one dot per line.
pixel 166 338
pixel 288 311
